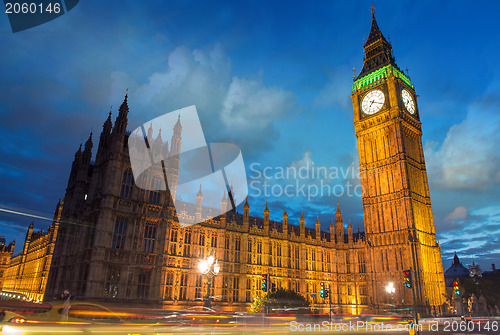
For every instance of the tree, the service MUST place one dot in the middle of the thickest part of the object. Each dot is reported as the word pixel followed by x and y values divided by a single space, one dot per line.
pixel 258 304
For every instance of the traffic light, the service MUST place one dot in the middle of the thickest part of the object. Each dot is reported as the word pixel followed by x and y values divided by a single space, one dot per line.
pixel 456 288
pixel 264 283
pixel 326 293
pixel 322 290
pixel 272 287
pixel 407 278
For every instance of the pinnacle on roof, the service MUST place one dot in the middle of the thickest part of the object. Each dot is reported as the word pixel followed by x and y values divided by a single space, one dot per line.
pixel 378 52
pixel 199 192
pixel 375 32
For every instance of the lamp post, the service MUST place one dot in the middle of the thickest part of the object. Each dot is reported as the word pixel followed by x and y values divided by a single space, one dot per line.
pixel 210 268
pixel 391 289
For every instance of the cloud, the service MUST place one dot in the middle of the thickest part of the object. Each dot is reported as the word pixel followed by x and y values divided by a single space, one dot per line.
pixel 335 93
pixel 239 110
pixel 249 100
pixel 459 213
pixel 469 157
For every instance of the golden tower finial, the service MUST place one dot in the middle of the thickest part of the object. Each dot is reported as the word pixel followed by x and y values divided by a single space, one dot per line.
pixel 373 9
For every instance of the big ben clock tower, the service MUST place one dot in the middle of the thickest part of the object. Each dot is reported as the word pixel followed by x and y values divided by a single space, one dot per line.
pixel 397 208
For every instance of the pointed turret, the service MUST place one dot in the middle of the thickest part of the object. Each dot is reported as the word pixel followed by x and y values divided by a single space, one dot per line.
pixel 349 232
pixel 223 204
pixel 378 52
pixel 332 230
pixel 121 120
pixel 108 124
pixel 104 139
pixel 318 228
pixel 150 134
pixel 266 215
pixel 339 224
pixel 246 213
pixel 176 138
pixel 285 222
pixel 302 224
pixel 87 153
pixel 199 205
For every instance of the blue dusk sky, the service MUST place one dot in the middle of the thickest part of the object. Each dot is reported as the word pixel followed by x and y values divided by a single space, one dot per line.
pixel 273 77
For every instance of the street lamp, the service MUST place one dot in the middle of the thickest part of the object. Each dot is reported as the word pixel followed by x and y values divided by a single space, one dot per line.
pixel 391 289
pixel 209 269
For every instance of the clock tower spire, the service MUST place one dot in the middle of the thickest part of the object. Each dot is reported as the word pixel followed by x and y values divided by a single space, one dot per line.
pixel 397 208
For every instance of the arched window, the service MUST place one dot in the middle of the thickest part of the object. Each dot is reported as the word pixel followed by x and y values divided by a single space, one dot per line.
pixel 127 183
pixel 154 194
pixel 119 234
pixel 149 237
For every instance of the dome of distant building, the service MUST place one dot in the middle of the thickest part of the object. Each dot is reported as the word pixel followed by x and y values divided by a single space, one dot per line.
pixel 454 271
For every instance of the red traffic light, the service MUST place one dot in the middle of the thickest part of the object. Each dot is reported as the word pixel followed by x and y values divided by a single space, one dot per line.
pixel 455 283
pixel 406 272
pixel 322 284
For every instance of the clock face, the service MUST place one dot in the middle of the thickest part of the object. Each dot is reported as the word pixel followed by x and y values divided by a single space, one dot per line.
pixel 373 102
pixel 408 101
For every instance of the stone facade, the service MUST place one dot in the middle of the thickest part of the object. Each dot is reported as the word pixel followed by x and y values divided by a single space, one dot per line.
pixel 5 256
pixel 119 243
pixel 28 271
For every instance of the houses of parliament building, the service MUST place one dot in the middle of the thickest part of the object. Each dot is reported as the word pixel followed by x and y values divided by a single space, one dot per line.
pixel 112 241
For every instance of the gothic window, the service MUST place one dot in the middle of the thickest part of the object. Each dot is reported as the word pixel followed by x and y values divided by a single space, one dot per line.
pixel 225 288
pixel 202 239
pixel 173 235
pixel 249 254
pixel 187 237
pixel 237 244
pixel 187 250
pixel 112 281
pixel 119 234
pixel 143 282
pixel 149 237
pixel 226 249
pixel 297 259
pixel 214 241
pixel 197 293
pixel 127 183
pixel 183 284
pixel 236 288
pixel 361 261
pixel 154 194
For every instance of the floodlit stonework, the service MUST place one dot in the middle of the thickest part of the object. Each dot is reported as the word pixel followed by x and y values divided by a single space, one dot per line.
pixel 118 243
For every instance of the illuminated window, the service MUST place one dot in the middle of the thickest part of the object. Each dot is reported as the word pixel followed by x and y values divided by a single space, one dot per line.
pixel 154 194
pixel 127 183
pixel 112 281
pixel 149 237
pixel 143 283
pixel 120 230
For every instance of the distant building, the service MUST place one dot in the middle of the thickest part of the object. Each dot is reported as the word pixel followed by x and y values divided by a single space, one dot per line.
pixel 455 271
pixel 5 256
pixel 28 270
pixel 475 270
